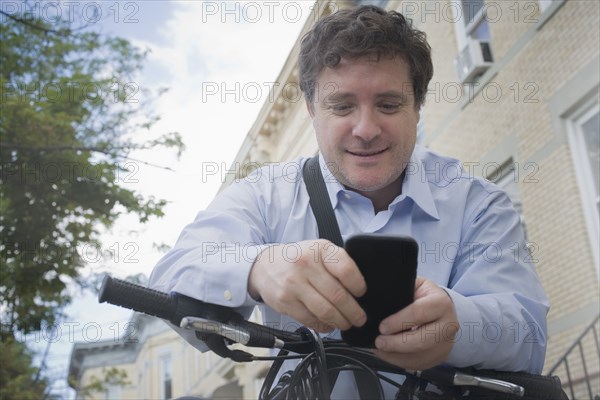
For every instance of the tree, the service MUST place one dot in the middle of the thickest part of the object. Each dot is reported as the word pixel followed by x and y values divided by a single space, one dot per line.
pixel 17 376
pixel 110 377
pixel 70 112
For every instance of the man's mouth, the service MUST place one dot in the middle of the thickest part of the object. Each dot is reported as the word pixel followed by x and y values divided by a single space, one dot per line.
pixel 366 153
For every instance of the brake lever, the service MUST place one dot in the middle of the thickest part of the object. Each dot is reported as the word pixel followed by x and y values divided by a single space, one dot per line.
pixel 233 333
pixel 448 376
pixel 461 379
pixel 208 327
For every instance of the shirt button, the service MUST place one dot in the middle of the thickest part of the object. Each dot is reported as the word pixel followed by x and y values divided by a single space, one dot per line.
pixel 227 294
pixel 348 196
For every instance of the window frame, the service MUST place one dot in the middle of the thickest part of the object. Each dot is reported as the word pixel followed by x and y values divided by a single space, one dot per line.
pixel 464 30
pixel 471 26
pixel 583 174
pixel 113 391
pixel 166 365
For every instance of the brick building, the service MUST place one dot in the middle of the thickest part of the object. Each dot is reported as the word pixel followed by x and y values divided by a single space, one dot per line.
pixel 515 97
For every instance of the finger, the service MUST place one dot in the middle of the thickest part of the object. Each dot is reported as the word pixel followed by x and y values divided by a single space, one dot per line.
pixel 324 310
pixel 310 320
pixel 340 298
pixel 298 311
pixel 342 267
pixel 431 305
pixel 418 340
pixel 419 313
pixel 424 287
pixel 422 348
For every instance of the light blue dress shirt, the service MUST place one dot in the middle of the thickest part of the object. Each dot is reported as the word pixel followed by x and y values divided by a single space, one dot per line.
pixel 470 241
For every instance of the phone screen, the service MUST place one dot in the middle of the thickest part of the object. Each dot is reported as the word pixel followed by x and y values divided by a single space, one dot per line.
pixel 389 266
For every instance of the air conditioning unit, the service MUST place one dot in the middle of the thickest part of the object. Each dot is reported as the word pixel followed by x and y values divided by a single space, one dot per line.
pixel 473 60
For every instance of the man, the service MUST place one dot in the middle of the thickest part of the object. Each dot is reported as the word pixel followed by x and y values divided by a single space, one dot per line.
pixel 364 73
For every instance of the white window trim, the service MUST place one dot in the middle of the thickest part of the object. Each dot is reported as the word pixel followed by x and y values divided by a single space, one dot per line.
pixel 584 176
pixel 113 392
pixel 461 29
pixel 477 18
pixel 161 378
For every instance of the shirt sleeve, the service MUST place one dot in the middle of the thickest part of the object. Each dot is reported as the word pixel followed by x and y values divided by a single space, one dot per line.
pixel 212 258
pixel 499 300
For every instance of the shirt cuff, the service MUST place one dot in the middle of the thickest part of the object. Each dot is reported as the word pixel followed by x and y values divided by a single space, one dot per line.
pixel 467 339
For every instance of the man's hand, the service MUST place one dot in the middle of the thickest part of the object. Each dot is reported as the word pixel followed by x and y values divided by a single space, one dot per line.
pixel 421 335
pixel 315 287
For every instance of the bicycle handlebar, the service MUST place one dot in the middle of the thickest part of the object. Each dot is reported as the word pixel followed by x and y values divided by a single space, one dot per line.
pixel 172 307
pixel 216 324
pixel 187 312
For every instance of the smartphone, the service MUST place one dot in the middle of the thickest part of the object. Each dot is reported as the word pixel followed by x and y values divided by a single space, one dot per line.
pixel 389 266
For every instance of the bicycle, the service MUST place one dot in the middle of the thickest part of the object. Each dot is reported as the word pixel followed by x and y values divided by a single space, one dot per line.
pixel 321 359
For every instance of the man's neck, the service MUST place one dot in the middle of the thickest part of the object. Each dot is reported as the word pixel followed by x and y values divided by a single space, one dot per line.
pixel 383 197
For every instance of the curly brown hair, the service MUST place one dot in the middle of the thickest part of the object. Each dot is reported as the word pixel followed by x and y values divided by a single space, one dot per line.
pixel 364 31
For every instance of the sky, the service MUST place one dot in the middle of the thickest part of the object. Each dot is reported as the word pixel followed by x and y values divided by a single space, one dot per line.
pixel 218 59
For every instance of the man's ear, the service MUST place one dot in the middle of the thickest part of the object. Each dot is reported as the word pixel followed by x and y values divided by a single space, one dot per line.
pixel 310 107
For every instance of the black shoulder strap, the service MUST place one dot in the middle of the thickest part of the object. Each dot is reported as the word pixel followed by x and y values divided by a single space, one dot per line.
pixel 330 230
pixel 320 203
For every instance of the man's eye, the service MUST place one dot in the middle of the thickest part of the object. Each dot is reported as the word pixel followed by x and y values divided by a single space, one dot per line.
pixel 341 109
pixel 389 107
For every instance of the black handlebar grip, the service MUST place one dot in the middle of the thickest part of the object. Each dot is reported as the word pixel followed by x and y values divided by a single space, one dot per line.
pixel 136 297
pixel 441 375
pixel 172 307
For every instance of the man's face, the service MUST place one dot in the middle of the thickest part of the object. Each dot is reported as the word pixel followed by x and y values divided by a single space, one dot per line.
pixel 365 119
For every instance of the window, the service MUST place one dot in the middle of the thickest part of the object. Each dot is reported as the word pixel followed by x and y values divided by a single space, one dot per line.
pixel 113 392
pixel 476 26
pixel 473 39
pixel 583 129
pixel 166 377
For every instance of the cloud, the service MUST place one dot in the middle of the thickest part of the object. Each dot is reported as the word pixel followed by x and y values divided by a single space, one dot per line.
pixel 219 60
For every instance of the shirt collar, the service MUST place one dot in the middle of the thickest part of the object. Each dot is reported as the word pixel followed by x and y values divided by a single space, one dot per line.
pixel 416 186
pixel 413 185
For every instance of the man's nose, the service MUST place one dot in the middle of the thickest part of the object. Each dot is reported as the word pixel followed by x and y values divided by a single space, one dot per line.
pixel 366 125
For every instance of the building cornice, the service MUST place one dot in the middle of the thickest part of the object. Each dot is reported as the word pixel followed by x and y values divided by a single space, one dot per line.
pixel 124 350
pixel 257 147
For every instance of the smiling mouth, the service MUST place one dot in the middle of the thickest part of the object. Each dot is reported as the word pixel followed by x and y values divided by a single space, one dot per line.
pixel 366 153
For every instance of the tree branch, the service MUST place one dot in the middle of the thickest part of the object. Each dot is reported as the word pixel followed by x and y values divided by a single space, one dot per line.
pixel 35 26
pixel 61 148
pixel 109 152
